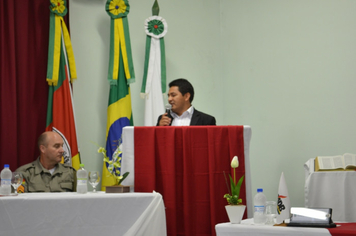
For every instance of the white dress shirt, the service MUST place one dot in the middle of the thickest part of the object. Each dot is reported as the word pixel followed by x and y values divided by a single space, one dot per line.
pixel 184 119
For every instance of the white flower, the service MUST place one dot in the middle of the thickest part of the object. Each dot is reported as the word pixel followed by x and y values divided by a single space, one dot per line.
pixel 235 162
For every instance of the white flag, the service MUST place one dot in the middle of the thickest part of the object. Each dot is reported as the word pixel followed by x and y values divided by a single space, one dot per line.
pixel 283 203
pixel 154 77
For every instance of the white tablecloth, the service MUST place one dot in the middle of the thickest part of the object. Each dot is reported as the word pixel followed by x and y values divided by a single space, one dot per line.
pixel 331 189
pixel 128 162
pixel 246 228
pixel 51 214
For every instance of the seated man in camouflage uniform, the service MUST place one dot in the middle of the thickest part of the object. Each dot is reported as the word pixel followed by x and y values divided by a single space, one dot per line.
pixel 47 174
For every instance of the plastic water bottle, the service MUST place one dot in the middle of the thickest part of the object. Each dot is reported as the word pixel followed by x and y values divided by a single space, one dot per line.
pixel 259 202
pixel 82 179
pixel 6 176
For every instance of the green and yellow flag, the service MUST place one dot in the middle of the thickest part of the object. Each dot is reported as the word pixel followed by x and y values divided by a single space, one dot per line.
pixel 120 75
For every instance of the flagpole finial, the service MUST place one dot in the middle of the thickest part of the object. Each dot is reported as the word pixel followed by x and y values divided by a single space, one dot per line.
pixel 155 9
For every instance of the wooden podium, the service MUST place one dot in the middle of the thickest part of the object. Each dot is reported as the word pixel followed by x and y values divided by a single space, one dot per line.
pixel 186 165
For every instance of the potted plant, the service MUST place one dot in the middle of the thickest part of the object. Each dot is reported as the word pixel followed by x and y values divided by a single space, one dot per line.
pixel 234 209
pixel 114 166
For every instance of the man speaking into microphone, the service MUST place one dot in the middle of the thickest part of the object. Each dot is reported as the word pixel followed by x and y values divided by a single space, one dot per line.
pixel 182 113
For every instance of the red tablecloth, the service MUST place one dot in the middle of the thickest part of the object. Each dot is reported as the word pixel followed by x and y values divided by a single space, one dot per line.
pixel 186 165
pixel 344 229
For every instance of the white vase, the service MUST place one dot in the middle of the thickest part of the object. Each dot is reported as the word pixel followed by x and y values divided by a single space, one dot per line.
pixel 235 213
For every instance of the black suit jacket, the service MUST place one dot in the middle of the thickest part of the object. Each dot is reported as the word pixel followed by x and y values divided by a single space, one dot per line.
pixel 198 118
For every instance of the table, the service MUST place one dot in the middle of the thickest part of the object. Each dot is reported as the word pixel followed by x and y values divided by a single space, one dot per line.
pixel 186 165
pixel 37 214
pixel 331 189
pixel 246 228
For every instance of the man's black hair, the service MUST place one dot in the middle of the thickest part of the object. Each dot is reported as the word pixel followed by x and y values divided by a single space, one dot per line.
pixel 184 86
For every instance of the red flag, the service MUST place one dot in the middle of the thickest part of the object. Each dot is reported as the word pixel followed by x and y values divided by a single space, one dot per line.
pixel 60 71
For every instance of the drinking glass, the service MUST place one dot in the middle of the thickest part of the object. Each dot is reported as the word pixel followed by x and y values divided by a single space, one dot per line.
pixel 271 212
pixel 94 178
pixel 16 180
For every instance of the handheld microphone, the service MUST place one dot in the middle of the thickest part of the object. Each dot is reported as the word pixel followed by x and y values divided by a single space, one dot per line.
pixel 168 109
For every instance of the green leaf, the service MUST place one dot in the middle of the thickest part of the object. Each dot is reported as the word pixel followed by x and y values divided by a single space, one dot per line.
pixel 232 185
pixel 238 186
pixel 123 177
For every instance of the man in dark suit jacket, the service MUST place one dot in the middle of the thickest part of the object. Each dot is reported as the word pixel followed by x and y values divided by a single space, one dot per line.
pixel 180 97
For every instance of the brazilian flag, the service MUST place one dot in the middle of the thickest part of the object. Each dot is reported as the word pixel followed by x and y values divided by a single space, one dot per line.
pixel 120 75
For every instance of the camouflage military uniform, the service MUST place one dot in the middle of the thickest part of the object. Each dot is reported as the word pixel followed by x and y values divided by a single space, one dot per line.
pixel 39 179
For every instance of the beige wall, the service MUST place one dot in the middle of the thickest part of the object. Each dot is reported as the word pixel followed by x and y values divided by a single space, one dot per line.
pixel 290 74
pixel 284 67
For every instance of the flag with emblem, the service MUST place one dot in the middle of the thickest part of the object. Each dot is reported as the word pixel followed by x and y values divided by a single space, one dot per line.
pixel 154 76
pixel 120 75
pixel 283 202
pixel 61 72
